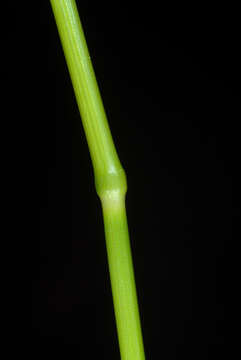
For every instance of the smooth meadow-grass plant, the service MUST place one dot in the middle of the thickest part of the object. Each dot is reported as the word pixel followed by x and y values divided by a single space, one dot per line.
pixel 110 178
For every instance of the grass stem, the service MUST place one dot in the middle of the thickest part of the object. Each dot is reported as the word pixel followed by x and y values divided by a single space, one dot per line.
pixel 110 178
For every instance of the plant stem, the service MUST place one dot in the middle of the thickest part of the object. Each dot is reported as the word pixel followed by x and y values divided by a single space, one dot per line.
pixel 110 178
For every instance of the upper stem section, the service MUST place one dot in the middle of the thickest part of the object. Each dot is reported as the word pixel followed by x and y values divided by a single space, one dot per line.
pixel 108 171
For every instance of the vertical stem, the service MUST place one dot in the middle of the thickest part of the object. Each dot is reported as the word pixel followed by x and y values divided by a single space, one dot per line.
pixel 122 278
pixel 110 178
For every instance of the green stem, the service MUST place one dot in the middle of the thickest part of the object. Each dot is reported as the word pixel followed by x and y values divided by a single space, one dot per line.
pixel 110 178
pixel 122 278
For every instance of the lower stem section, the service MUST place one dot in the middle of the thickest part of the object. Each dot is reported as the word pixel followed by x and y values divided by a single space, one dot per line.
pixel 122 277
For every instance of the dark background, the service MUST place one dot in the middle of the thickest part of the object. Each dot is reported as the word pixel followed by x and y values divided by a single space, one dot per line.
pixel 170 83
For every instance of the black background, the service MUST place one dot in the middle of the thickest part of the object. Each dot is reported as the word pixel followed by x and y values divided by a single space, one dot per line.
pixel 170 83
